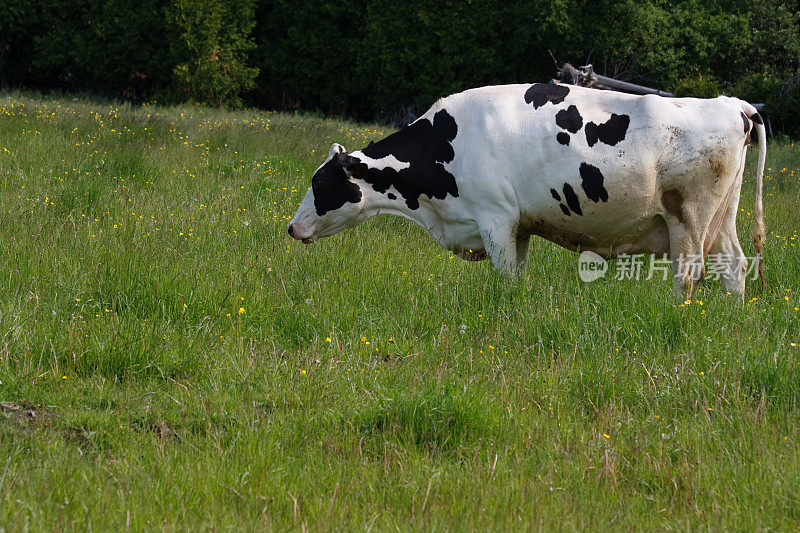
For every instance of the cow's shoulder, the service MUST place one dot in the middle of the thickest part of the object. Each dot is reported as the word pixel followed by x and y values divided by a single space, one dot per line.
pixel 411 161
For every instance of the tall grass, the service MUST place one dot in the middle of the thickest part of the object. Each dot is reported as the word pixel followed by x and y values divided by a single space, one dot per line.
pixel 170 358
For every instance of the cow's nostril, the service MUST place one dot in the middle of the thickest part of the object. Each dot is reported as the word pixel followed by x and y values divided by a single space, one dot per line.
pixel 291 230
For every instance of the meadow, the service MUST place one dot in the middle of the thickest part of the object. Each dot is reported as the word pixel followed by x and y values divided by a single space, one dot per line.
pixel 171 359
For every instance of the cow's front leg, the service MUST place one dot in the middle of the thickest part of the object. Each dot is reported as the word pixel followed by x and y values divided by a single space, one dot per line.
pixel 501 245
pixel 522 253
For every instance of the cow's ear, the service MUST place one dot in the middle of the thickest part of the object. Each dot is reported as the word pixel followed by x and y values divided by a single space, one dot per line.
pixel 336 148
pixel 355 168
pixel 358 171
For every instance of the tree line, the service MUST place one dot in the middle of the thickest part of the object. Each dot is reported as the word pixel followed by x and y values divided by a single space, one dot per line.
pixel 377 59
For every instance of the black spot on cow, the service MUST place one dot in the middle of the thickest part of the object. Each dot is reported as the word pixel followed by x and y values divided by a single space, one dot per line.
pixel 392 196
pixel 540 93
pixel 745 121
pixel 332 187
pixel 757 118
pixel 425 144
pixel 557 198
pixel 572 199
pixel 592 183
pixel 609 132
pixel 569 119
pixel 563 138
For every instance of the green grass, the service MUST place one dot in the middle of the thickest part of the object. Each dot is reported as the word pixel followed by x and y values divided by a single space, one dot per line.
pixel 170 358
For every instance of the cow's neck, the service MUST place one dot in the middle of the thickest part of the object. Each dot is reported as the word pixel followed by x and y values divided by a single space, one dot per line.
pixel 406 173
pixel 425 215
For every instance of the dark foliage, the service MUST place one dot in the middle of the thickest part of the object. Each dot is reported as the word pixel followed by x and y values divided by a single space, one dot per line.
pixel 382 59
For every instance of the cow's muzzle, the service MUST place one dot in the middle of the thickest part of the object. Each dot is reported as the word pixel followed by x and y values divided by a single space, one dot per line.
pixel 293 233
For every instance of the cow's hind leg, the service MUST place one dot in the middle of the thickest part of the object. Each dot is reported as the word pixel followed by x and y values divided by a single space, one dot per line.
pixel 687 225
pixel 724 251
pixel 727 257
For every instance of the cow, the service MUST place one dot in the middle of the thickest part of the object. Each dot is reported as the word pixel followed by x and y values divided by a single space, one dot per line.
pixel 485 169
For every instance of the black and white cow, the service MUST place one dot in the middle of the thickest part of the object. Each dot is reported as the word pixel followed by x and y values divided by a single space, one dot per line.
pixel 483 170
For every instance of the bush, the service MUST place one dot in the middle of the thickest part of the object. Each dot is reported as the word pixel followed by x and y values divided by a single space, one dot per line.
pixel 784 106
pixel 306 55
pixel 212 45
pixel 698 86
pixel 780 96
pixel 110 46
pixel 375 59
pixel 18 18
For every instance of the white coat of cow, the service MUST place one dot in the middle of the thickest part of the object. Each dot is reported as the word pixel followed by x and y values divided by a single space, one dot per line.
pixel 483 170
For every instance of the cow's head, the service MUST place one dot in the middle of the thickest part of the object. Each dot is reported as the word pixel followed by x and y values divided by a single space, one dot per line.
pixel 335 201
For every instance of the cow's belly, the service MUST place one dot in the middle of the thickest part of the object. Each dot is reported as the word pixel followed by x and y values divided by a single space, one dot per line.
pixel 604 235
pixel 609 205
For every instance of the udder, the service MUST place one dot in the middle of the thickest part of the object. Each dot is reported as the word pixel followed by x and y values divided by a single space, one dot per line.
pixel 471 255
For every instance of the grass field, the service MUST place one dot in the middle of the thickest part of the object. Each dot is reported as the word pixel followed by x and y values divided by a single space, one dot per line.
pixel 171 359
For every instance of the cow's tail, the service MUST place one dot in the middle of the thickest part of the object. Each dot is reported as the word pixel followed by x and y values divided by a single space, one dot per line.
pixel 759 230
